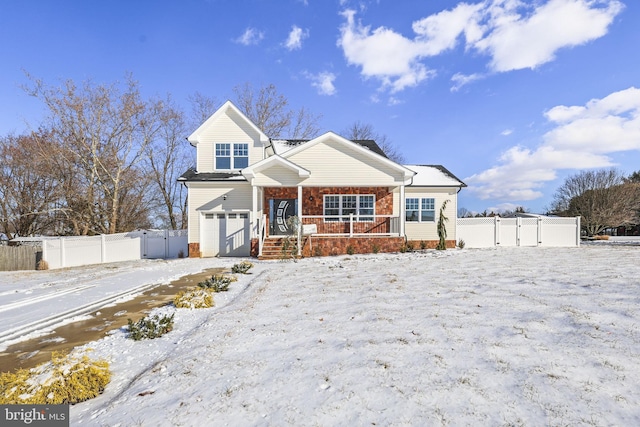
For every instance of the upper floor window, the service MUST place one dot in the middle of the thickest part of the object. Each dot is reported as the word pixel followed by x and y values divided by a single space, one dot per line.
pixel 420 210
pixel 225 159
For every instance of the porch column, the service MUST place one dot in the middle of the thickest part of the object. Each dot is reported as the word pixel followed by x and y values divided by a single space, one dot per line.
pixel 299 214
pixel 254 207
pixel 402 210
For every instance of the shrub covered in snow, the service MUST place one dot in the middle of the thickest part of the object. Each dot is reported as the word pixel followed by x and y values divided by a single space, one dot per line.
pixel 65 379
pixel 242 268
pixel 194 298
pixel 150 327
pixel 218 283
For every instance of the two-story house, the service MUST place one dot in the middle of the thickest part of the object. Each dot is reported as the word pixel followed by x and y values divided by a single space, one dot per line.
pixel 347 195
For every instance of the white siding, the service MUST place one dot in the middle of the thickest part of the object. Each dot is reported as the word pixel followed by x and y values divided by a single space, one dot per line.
pixel 278 176
pixel 210 198
pixel 429 230
pixel 226 129
pixel 334 164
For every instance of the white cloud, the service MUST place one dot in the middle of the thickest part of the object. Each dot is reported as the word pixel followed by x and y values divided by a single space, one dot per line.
pixel 460 80
pixel 506 132
pixel 294 41
pixel 583 137
pixel 513 33
pixel 251 36
pixel 516 41
pixel 383 54
pixel 323 81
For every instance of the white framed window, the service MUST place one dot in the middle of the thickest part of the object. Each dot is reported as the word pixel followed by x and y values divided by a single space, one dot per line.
pixel 420 209
pixel 339 207
pixel 225 159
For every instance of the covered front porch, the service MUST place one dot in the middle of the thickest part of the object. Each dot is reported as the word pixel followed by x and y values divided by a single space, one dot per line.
pixel 320 221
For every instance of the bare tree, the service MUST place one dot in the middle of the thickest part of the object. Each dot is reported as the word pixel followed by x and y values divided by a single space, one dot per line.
pixel 269 110
pixel 464 213
pixel 601 198
pixel 363 131
pixel 166 159
pixel 102 132
pixel 202 107
pixel 28 190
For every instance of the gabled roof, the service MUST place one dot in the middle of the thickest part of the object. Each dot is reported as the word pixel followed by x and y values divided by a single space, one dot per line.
pixel 434 176
pixel 364 151
pixel 194 138
pixel 251 171
pixel 283 145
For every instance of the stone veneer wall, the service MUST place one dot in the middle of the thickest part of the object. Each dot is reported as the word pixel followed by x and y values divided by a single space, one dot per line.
pixel 312 197
pixel 313 200
pixel 324 246
pixel 430 244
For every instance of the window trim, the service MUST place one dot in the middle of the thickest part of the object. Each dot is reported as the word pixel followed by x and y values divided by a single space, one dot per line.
pixel 357 215
pixel 232 149
pixel 419 209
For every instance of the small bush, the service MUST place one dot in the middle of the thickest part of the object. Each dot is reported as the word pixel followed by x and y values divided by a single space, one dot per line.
pixel 461 244
pixel 317 251
pixel 376 248
pixel 66 379
pixel 194 298
pixel 218 283
pixel 42 265
pixel 410 246
pixel 403 248
pixel 242 267
pixel 150 327
pixel 180 253
pixel 350 250
pixel 423 245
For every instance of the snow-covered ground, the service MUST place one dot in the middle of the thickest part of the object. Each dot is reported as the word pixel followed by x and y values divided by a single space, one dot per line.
pixel 509 336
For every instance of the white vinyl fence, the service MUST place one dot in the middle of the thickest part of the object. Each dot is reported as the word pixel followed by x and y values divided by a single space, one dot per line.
pixel 542 231
pixel 85 250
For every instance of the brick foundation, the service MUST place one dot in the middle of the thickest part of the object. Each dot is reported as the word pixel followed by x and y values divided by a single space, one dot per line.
pixel 429 244
pixel 194 250
pixel 325 246
pixel 255 248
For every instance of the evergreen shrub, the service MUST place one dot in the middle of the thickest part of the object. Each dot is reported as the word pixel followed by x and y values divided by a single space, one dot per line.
pixel 150 327
pixel 66 379
pixel 194 298
pixel 218 283
pixel 242 267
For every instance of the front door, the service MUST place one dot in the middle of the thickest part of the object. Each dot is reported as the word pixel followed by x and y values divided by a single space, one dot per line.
pixel 280 210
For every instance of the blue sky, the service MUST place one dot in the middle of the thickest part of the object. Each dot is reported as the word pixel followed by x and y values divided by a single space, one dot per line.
pixel 511 96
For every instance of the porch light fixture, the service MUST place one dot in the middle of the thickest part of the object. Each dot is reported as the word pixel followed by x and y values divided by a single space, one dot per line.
pixel 224 197
pixel 311 198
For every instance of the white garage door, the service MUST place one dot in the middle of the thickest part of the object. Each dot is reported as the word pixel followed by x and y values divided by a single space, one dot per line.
pixel 225 234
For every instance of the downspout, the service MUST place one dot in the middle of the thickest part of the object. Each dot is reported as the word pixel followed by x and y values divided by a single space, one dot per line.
pixel 403 212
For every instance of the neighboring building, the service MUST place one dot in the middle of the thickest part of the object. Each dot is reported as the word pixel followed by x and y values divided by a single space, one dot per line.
pixel 347 194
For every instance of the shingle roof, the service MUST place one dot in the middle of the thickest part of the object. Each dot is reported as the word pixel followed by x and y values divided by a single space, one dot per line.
pixel 366 143
pixel 191 175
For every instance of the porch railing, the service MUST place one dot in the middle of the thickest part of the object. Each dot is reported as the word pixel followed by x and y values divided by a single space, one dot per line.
pixel 353 225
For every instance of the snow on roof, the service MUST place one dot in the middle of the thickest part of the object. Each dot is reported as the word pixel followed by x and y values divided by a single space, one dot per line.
pixel 282 145
pixel 433 176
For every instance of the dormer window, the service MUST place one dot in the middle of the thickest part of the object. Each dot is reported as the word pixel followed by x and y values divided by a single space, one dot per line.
pixel 239 160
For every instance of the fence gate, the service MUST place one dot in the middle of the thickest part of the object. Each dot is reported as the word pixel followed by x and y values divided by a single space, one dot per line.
pixel 489 232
